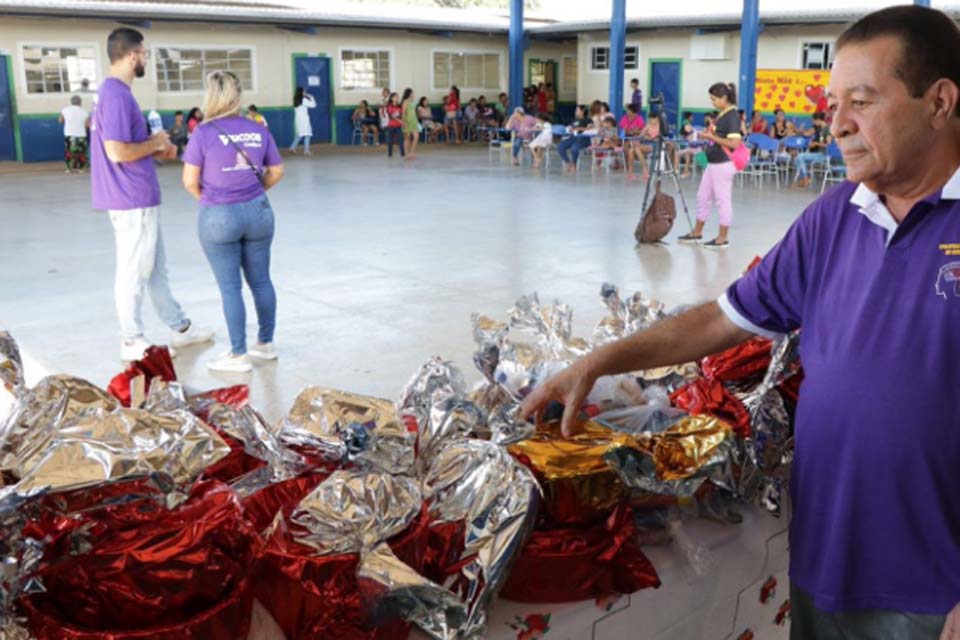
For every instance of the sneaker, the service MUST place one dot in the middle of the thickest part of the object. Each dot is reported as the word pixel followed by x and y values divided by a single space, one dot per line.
pixel 690 238
pixel 193 335
pixel 133 349
pixel 230 363
pixel 713 244
pixel 263 351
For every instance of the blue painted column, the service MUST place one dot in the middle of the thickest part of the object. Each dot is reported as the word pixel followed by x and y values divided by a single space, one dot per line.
pixel 618 42
pixel 749 33
pixel 515 89
pixel 922 3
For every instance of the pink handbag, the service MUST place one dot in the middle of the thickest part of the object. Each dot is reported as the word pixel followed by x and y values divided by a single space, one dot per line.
pixel 740 156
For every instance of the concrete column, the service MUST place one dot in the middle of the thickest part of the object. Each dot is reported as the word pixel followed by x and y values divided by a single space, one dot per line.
pixel 516 54
pixel 749 33
pixel 618 41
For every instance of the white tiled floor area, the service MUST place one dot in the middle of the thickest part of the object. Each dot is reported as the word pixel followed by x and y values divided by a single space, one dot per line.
pixel 378 264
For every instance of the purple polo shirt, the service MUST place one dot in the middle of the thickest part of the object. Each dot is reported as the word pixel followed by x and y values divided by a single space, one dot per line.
pixel 120 185
pixel 876 472
pixel 222 148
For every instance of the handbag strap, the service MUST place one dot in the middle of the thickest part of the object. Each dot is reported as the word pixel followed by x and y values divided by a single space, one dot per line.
pixel 256 170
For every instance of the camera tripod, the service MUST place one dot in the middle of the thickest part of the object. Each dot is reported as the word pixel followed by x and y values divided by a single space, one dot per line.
pixel 662 165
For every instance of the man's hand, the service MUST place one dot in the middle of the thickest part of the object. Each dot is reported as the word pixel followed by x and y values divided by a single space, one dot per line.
pixel 570 388
pixel 160 140
pixel 951 628
pixel 168 152
pixel 157 144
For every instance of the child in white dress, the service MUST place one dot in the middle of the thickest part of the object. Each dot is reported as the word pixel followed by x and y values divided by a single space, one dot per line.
pixel 540 144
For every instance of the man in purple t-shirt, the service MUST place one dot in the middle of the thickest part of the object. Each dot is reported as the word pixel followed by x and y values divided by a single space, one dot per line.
pixel 871 272
pixel 124 183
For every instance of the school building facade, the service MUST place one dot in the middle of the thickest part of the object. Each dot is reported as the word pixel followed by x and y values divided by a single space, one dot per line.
pixel 56 50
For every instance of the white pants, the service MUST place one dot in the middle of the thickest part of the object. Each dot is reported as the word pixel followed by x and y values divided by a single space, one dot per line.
pixel 142 265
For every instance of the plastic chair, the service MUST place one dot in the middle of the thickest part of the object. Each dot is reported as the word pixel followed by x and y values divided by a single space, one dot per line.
pixel 358 132
pixel 796 144
pixel 606 157
pixel 764 160
pixel 497 142
pixel 836 170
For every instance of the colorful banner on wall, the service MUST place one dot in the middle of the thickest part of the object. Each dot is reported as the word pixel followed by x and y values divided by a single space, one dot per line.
pixel 792 90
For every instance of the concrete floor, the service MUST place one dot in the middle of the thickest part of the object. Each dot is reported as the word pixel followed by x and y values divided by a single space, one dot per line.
pixel 378 264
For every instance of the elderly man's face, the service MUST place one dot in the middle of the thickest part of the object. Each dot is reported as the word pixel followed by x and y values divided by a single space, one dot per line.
pixel 877 124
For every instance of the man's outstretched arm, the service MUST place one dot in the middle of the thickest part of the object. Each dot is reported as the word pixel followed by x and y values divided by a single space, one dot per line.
pixel 691 335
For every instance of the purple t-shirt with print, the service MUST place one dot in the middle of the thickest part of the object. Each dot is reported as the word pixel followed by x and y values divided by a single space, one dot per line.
pixel 120 185
pixel 226 177
pixel 875 482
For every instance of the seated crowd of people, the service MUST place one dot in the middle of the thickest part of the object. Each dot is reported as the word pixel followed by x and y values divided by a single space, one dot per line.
pixel 596 128
pixel 457 120
pixel 629 140
pixel 454 122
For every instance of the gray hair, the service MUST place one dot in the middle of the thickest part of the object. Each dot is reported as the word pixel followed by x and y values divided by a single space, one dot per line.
pixel 76 100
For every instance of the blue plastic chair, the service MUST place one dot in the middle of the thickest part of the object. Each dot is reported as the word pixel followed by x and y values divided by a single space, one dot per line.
pixel 836 170
pixel 763 162
pixel 799 144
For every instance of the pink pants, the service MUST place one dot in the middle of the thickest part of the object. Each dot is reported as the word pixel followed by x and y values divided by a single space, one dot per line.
pixel 717 186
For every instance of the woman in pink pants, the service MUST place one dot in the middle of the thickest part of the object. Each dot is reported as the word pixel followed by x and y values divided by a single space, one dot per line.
pixel 717 183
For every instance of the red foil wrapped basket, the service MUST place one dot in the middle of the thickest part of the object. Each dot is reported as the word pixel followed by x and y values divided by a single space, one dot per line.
pixel 581 563
pixel 315 597
pixel 169 572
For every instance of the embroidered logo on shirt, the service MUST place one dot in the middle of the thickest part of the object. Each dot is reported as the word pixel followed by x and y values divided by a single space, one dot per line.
pixel 948 281
pixel 950 248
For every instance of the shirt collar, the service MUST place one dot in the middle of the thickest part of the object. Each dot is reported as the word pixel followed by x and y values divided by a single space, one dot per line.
pixel 876 211
pixel 863 197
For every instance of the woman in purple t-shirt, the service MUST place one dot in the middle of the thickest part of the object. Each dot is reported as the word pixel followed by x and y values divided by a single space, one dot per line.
pixel 229 164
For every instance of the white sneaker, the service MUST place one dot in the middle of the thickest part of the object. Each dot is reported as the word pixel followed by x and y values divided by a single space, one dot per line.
pixel 229 363
pixel 193 335
pixel 263 351
pixel 134 349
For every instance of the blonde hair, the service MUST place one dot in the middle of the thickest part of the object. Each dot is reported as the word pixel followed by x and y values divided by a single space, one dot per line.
pixel 224 95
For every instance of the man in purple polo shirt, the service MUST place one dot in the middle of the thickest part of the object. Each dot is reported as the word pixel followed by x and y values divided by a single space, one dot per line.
pixel 124 182
pixel 871 271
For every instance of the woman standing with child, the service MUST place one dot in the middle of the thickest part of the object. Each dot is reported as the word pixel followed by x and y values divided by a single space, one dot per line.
pixel 229 164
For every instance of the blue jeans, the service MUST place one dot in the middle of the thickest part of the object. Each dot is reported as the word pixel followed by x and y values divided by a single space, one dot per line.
pixel 573 144
pixel 808 156
pixel 235 238
pixel 517 146
pixel 809 623
pixel 306 143
pixel 394 136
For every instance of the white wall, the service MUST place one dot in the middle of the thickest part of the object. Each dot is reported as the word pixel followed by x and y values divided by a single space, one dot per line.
pixel 778 48
pixel 411 58
pixel 412 62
